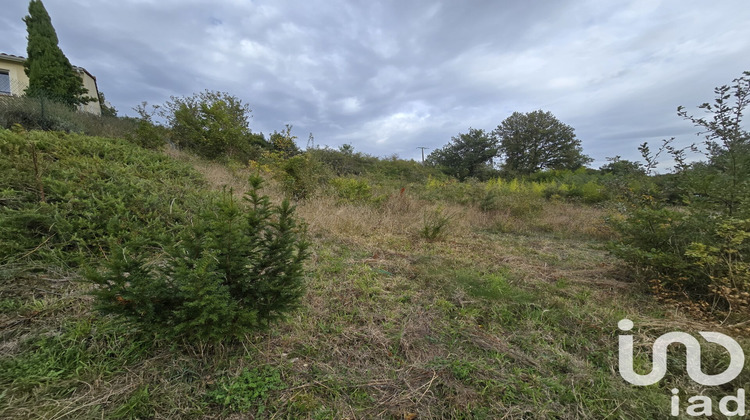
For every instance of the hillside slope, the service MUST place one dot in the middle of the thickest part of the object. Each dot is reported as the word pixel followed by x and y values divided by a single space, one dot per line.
pixel 498 316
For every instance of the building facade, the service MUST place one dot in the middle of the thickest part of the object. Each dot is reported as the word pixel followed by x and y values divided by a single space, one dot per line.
pixel 13 81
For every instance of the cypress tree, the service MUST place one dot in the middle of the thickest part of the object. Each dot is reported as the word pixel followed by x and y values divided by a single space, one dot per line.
pixel 50 73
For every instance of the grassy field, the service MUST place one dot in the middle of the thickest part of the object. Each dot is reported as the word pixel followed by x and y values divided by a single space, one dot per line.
pixel 416 307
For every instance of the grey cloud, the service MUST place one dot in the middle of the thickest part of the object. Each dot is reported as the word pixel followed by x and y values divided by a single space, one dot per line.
pixel 389 76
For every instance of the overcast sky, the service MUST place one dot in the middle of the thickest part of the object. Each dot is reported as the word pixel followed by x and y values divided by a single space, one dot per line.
pixel 389 76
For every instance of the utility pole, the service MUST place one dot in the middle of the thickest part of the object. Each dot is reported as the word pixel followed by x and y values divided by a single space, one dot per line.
pixel 422 152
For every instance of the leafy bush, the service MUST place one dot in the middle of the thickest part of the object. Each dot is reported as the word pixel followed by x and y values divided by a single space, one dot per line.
pixel 147 134
pixel 300 176
pixel 700 249
pixel 43 114
pixel 232 270
pixel 351 190
pixel 212 124
pixel 656 239
pixel 283 143
pixel 723 262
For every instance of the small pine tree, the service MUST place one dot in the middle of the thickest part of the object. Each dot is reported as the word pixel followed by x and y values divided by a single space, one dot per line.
pixel 50 73
pixel 233 270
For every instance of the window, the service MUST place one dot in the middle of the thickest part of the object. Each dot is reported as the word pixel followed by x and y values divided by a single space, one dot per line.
pixel 4 82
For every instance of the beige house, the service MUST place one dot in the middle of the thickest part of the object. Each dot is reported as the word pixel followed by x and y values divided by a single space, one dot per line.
pixel 13 81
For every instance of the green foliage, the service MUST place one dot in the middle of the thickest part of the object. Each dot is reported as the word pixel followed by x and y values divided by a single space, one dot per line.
pixel 232 270
pixel 622 167
pixel 351 190
pixel 467 155
pixel 582 185
pixel 50 73
pixel 212 124
pixel 390 172
pixel 147 134
pixel 722 260
pixel 250 389
pixel 723 182
pixel 523 197
pixel 657 239
pixel 301 176
pixel 40 113
pixel 64 198
pixel 283 143
pixel 537 140
pixel 701 248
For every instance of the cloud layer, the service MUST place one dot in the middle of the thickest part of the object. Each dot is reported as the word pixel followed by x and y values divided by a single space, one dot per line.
pixel 389 76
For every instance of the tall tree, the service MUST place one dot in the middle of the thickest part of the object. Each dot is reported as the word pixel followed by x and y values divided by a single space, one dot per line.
pixel 50 73
pixel 537 140
pixel 467 155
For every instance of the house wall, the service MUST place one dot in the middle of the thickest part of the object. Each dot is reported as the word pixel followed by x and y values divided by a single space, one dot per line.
pixel 18 79
pixel 89 82
pixel 19 82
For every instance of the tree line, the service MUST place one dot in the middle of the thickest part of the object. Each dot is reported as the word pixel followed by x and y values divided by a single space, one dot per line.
pixel 525 142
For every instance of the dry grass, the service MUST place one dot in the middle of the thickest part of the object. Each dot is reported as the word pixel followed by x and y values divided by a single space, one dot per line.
pixel 505 316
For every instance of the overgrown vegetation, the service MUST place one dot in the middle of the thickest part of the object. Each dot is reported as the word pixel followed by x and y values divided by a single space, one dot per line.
pixel 178 263
pixel 699 244
pixel 232 270
pixel 413 294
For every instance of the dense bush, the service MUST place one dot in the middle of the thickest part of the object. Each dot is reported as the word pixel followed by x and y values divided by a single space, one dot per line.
pixel 700 247
pixel 233 269
pixel 351 190
pixel 213 125
pixel 300 176
pixel 468 155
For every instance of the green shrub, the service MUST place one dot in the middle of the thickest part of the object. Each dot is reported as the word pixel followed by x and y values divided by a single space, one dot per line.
pixel 301 176
pixel 723 260
pixel 451 190
pixel 232 270
pixel 283 143
pixel 212 124
pixel 43 114
pixel 351 190
pixel 700 249
pixel 147 134
pixel 656 240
